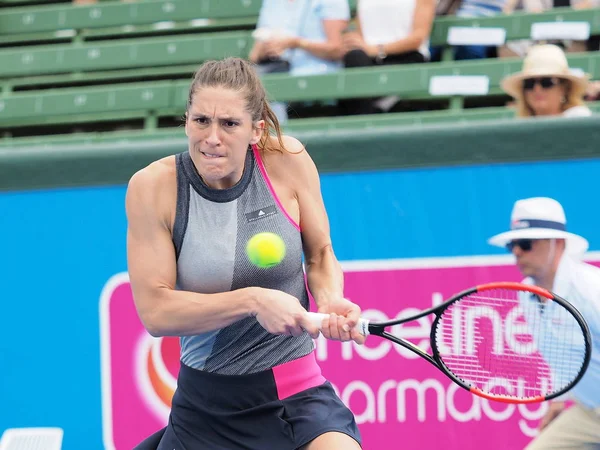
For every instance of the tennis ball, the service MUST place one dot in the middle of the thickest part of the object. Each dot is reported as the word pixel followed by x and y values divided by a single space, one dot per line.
pixel 265 250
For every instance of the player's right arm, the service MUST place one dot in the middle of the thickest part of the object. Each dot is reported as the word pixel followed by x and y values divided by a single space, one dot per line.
pixel 165 311
pixel 152 265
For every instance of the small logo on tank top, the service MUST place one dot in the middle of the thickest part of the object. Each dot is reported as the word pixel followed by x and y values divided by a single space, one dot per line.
pixel 261 213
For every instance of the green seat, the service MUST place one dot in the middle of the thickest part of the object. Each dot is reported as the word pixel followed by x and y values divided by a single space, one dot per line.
pixel 404 80
pixel 37 18
pixel 113 77
pixel 176 71
pixel 30 66
pixel 74 102
pixel 109 19
pixel 93 56
pixel 408 81
pixel 517 25
pixel 33 19
pixel 305 127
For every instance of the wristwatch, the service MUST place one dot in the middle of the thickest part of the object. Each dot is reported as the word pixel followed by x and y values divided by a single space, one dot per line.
pixel 381 54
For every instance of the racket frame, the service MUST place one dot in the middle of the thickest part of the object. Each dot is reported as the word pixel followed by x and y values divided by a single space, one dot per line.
pixel 434 358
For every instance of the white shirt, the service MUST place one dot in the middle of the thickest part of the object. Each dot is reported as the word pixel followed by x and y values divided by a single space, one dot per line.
pixel 577 111
pixel 579 284
pixel 385 21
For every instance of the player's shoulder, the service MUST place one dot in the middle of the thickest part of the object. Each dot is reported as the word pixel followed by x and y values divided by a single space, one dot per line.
pixel 153 184
pixel 292 158
pixel 287 146
pixel 156 174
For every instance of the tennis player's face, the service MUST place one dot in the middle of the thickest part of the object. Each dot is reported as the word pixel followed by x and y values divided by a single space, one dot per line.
pixel 535 262
pixel 219 129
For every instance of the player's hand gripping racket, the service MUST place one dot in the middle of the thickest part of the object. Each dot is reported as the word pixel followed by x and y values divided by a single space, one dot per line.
pixel 508 342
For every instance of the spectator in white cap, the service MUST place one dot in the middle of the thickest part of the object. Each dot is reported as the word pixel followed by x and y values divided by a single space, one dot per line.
pixel 549 256
pixel 546 86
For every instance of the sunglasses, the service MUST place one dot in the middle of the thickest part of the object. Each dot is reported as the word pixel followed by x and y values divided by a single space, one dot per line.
pixel 544 82
pixel 523 244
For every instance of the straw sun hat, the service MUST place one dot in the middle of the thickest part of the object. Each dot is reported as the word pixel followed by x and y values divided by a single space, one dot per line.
pixel 544 61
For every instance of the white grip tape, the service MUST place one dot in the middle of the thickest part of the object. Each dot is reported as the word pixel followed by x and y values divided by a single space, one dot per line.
pixel 317 320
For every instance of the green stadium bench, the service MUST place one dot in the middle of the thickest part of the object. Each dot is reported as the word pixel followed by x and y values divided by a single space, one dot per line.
pixel 100 78
pixel 128 32
pixel 307 127
pixel 111 14
pixel 115 14
pixel 117 19
pixel 155 26
pixel 169 28
pixel 29 66
pixel 517 25
pixel 130 64
pixel 14 3
pixel 315 125
pixel 407 81
pixel 85 101
pixel 151 52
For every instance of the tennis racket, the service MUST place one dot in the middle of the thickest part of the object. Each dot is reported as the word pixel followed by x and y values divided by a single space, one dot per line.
pixel 508 342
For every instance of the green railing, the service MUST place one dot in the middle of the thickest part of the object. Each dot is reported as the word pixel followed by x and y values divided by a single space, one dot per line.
pixel 333 151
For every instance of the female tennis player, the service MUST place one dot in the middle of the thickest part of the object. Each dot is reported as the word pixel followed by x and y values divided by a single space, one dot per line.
pixel 248 377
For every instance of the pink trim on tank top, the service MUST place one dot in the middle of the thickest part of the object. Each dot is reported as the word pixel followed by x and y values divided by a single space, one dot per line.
pixel 297 376
pixel 311 299
pixel 263 171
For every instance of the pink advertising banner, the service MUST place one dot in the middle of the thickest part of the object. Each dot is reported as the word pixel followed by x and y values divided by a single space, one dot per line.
pixel 395 395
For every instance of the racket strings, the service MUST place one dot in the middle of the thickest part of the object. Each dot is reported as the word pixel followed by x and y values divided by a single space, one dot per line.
pixel 511 343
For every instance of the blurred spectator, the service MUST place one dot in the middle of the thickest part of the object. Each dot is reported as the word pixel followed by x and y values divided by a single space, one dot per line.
pixel 303 37
pixel 443 8
pixel 477 8
pixel 536 6
pixel 388 32
pixel 593 43
pixel 593 91
pixel 546 86
pixel 446 7
pixel 474 8
pixel 521 47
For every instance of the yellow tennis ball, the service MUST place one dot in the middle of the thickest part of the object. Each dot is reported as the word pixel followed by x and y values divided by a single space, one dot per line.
pixel 265 250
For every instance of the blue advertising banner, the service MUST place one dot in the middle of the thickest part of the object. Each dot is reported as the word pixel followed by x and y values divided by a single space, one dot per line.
pixel 63 259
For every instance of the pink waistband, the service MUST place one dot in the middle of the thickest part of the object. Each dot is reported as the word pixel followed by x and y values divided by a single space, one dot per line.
pixel 297 376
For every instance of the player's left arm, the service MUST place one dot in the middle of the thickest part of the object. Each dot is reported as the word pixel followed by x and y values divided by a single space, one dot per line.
pixel 324 273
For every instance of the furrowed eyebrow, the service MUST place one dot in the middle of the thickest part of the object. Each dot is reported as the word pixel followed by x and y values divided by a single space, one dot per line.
pixel 223 118
pixel 230 119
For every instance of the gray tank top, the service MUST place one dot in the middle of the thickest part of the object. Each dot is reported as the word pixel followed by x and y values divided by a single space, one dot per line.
pixel 212 227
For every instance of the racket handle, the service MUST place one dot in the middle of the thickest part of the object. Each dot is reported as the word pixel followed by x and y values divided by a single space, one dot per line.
pixel 317 319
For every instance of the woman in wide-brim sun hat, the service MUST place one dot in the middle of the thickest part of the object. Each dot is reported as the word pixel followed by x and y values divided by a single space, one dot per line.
pixel 546 86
